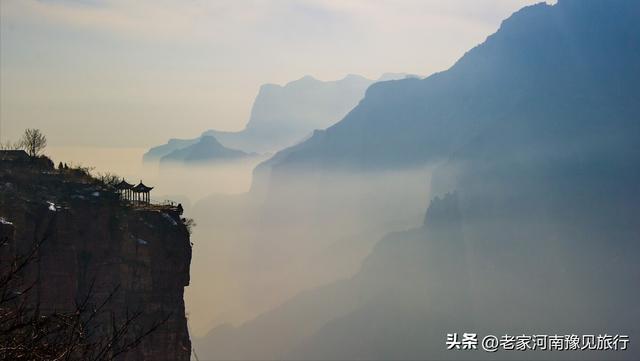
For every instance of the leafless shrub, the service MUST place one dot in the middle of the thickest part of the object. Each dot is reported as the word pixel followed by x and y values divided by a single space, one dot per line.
pixel 109 179
pixel 28 333
pixel 190 223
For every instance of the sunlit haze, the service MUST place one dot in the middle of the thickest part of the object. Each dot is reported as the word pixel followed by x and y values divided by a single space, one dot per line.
pixel 133 74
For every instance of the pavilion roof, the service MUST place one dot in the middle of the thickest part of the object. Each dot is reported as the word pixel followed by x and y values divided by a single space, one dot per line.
pixel 124 185
pixel 142 188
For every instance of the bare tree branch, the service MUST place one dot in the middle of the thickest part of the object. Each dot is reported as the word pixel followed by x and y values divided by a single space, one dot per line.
pixel 33 141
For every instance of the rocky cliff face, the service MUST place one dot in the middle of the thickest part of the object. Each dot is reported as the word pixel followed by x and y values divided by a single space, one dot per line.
pixel 93 244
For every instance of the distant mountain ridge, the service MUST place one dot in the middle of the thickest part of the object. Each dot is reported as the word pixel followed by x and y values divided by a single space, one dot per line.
pixel 543 59
pixel 155 153
pixel 284 115
pixel 206 149
pixel 533 220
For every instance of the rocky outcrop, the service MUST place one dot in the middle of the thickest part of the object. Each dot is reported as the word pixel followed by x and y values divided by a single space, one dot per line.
pixel 92 244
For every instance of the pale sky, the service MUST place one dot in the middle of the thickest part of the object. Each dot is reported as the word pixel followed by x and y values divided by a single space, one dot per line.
pixel 135 73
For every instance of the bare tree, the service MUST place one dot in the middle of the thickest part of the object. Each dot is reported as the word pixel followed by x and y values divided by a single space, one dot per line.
pixel 33 141
pixel 29 333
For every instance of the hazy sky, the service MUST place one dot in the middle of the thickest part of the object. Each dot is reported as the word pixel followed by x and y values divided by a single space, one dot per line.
pixel 134 73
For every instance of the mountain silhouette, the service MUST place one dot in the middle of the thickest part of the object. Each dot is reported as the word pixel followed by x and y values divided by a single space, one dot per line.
pixel 155 153
pixel 532 223
pixel 207 149
pixel 555 61
pixel 284 115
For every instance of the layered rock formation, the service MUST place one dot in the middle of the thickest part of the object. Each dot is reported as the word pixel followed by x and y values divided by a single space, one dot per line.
pixel 132 259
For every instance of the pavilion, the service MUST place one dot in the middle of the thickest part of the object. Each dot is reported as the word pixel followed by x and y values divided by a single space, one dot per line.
pixel 141 193
pixel 125 189
pixel 138 194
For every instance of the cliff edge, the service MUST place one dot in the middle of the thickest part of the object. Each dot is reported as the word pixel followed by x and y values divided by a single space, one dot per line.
pixel 129 260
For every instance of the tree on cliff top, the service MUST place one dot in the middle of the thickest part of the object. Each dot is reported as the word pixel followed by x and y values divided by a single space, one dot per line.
pixel 33 141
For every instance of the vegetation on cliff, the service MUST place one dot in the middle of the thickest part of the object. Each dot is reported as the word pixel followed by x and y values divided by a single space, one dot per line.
pixel 85 275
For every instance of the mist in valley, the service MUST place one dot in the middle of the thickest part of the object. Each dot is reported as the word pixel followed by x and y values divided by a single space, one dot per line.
pixel 367 219
pixel 257 250
pixel 255 246
pixel 174 182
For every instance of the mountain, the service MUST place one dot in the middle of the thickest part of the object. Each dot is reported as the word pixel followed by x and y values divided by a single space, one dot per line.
pixel 206 150
pixel 154 154
pixel 565 60
pixel 284 115
pixel 531 224
pixel 119 267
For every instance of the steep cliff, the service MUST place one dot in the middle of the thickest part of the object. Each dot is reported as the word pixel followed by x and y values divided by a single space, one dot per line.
pixel 134 259
pixel 574 63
